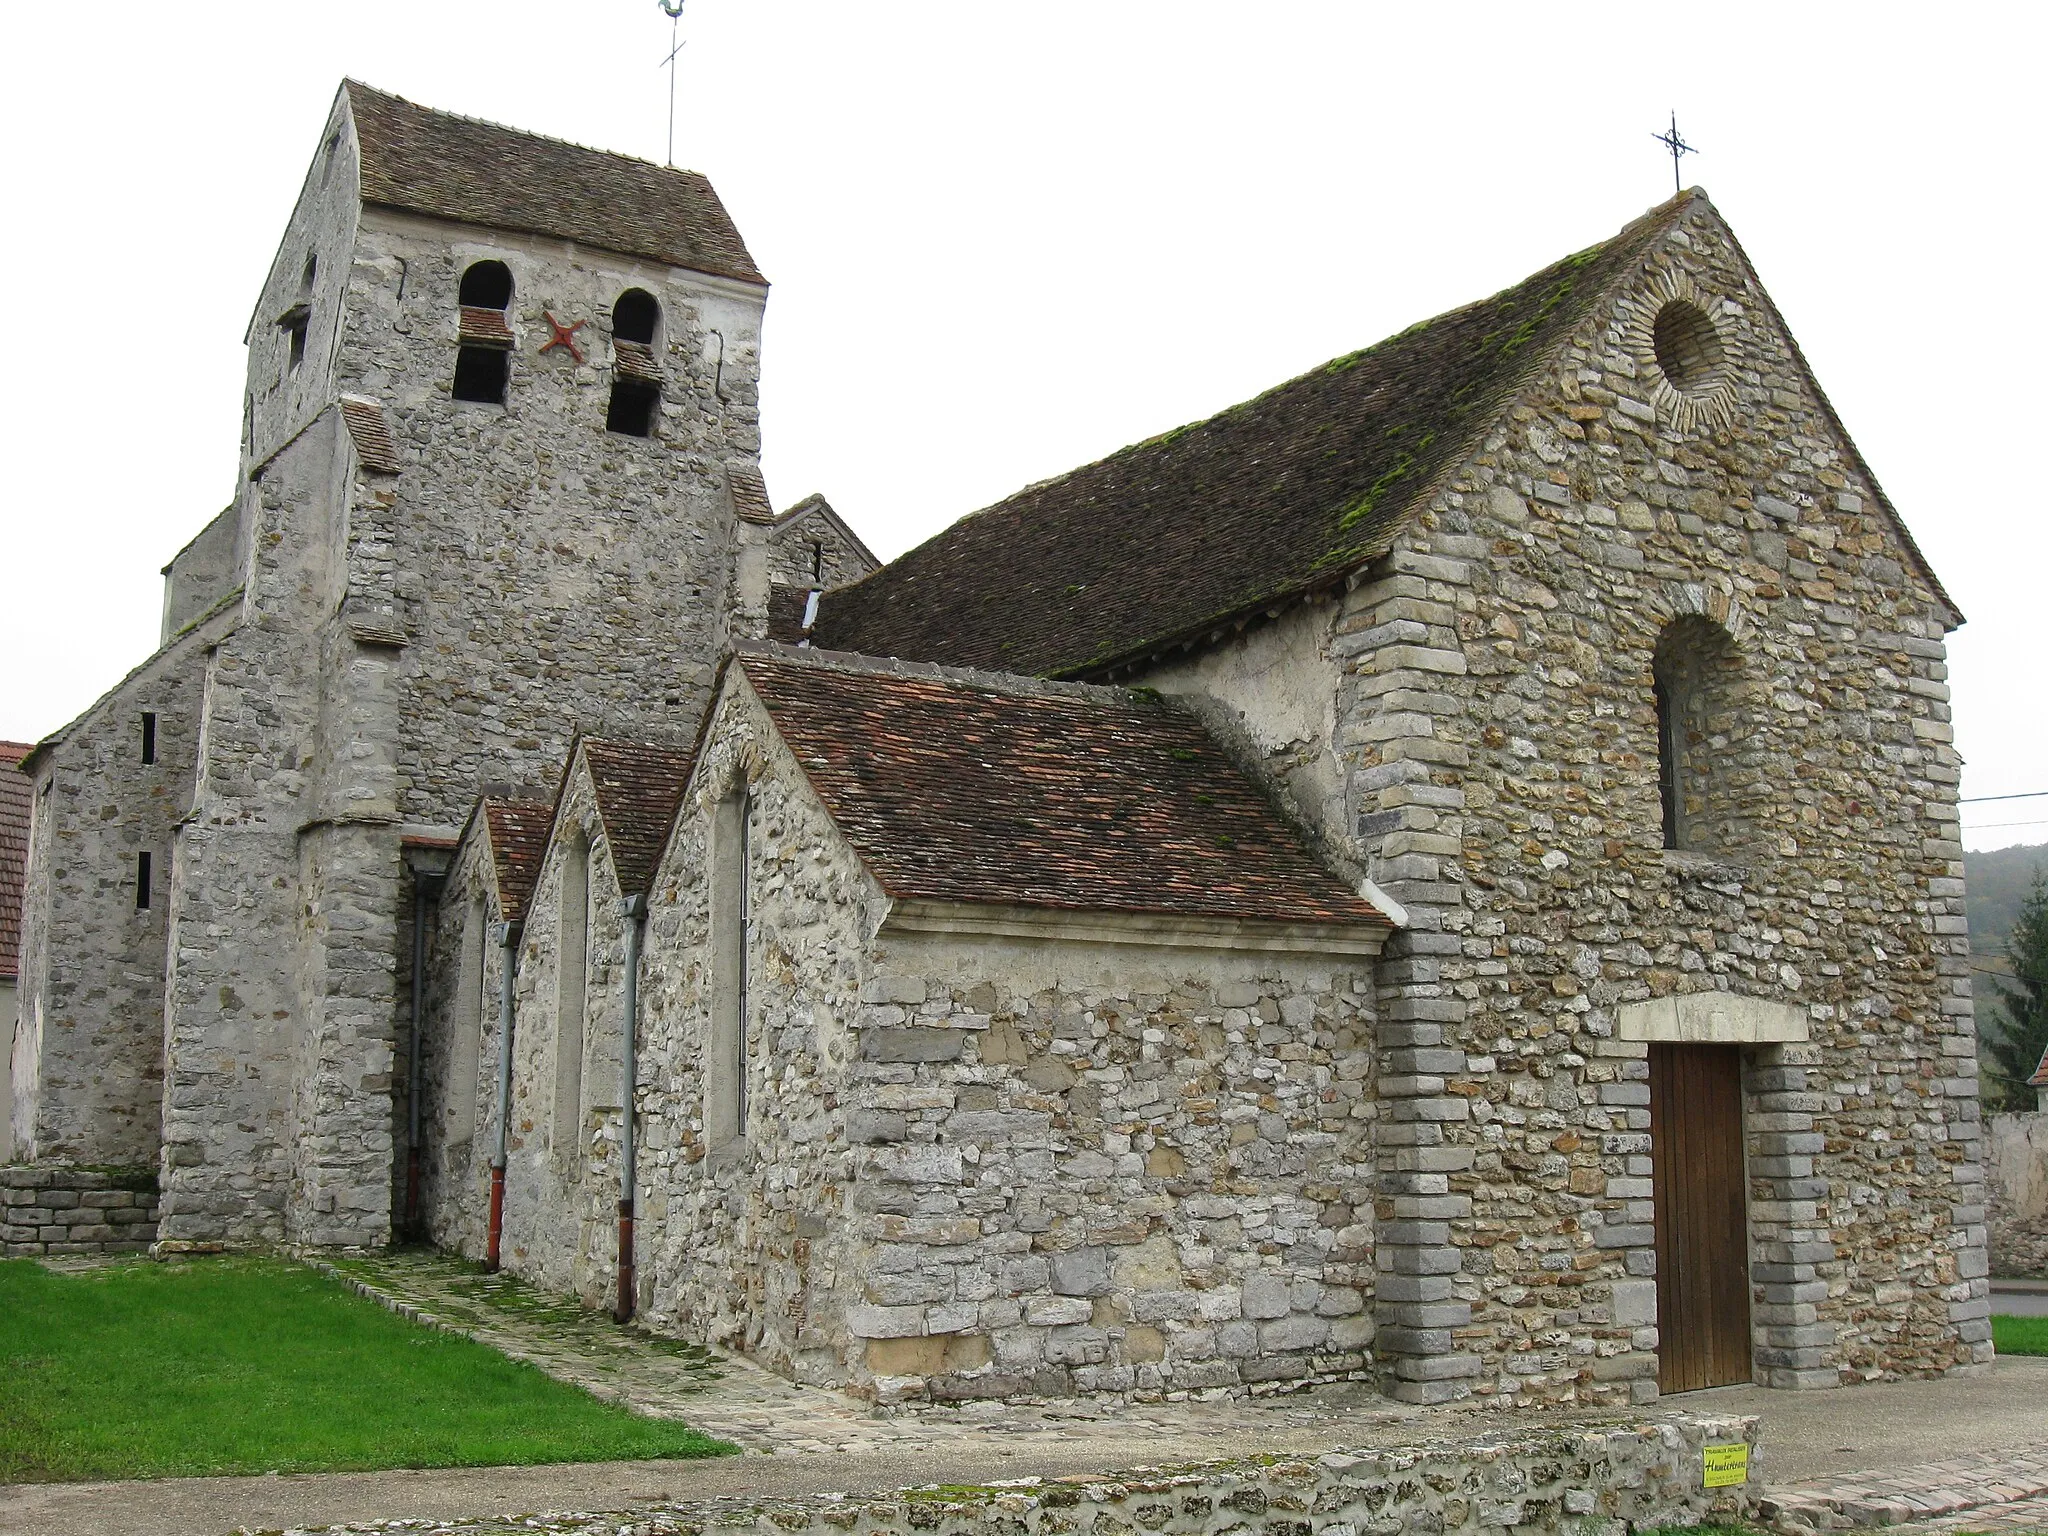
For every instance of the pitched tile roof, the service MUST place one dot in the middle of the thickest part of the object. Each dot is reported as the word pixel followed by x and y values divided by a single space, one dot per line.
pixel 449 167
pixel 787 606
pixel 371 434
pixel 2040 1077
pixel 638 789
pixel 519 836
pixel 16 795
pixel 1272 498
pixel 982 789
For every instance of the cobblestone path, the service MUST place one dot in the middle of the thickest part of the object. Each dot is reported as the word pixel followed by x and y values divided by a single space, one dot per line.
pixel 736 1400
pixel 2001 1491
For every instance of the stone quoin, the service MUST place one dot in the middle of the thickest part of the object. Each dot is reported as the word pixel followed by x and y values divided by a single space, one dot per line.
pixel 1240 913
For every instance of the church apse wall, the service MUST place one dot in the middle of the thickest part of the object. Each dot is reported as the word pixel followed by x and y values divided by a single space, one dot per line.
pixel 1502 715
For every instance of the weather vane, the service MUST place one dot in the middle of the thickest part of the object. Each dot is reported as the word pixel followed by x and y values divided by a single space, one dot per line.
pixel 1670 141
pixel 673 10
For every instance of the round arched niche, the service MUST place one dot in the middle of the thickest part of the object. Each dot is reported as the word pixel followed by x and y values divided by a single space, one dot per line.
pixel 1687 348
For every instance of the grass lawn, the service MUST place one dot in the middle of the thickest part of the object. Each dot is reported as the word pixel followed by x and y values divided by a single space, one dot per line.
pixel 2020 1335
pixel 253 1365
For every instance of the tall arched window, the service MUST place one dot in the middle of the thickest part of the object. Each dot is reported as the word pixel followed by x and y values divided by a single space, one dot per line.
pixel 1706 780
pixel 484 350
pixel 572 993
pixel 636 369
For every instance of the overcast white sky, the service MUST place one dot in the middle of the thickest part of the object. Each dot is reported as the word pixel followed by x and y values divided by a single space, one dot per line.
pixel 1007 239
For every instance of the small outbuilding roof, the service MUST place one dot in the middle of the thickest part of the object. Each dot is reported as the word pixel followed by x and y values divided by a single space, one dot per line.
pixel 2040 1077
pixel 17 793
pixel 518 830
pixel 983 788
pixel 638 788
pixel 419 160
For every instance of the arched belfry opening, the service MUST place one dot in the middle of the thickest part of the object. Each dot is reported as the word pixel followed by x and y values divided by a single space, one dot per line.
pixel 1707 782
pixel 636 366
pixel 483 357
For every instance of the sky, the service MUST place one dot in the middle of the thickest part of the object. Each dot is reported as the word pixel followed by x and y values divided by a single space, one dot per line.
pixel 1008 239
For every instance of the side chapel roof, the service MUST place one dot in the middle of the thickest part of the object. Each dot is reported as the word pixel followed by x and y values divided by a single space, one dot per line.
pixel 17 794
pixel 1005 791
pixel 1222 519
pixel 422 161
pixel 638 788
pixel 518 831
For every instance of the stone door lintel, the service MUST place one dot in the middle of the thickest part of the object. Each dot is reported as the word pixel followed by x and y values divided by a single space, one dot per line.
pixel 1711 1018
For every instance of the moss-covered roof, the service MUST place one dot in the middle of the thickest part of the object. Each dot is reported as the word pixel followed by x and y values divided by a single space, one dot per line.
pixel 1195 527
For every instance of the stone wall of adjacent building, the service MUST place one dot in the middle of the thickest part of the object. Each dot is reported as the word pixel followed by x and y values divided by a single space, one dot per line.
pixel 1497 739
pixel 57 1211
pixel 88 1056
pixel 2016 1193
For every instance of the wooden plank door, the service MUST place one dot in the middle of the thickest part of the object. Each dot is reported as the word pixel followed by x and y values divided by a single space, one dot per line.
pixel 1700 1189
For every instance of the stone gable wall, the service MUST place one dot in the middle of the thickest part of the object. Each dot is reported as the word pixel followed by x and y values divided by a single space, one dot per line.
pixel 561 1201
pixel 455 1170
pixel 747 1243
pixel 808 551
pixel 1497 718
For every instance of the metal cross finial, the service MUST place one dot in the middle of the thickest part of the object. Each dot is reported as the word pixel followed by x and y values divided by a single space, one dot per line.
pixel 673 10
pixel 1677 146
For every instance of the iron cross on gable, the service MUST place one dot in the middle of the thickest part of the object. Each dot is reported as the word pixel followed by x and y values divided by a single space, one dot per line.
pixel 1678 147
pixel 560 335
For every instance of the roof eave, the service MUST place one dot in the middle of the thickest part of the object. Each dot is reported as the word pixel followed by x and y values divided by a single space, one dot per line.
pixel 1166 930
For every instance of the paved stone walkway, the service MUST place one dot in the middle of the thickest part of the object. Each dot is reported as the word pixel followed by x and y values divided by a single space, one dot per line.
pixel 736 1400
pixel 1964 1493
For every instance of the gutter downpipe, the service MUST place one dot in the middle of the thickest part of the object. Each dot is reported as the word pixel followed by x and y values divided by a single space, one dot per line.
pixel 508 957
pixel 413 1065
pixel 634 910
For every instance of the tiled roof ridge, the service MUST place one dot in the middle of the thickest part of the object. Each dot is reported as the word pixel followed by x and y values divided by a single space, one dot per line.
pixel 1020 685
pixel 349 82
pixel 515 871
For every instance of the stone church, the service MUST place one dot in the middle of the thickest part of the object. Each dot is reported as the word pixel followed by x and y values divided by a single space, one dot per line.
pixel 1445 873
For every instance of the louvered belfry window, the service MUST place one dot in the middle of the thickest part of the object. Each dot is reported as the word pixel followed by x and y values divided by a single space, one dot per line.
pixel 483 356
pixel 636 365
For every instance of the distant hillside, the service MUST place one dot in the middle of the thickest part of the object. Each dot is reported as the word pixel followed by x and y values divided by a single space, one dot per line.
pixel 1998 882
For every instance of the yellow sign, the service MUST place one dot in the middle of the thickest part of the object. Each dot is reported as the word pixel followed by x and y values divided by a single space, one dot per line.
pixel 1725 1466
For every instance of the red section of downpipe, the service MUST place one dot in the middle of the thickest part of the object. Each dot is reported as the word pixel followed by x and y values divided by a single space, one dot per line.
pixel 497 1219
pixel 624 1311
pixel 412 1193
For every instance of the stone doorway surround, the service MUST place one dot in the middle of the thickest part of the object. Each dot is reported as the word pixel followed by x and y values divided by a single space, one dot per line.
pixel 1787 1242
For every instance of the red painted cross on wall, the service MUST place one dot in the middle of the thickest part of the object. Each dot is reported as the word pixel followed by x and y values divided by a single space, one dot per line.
pixel 561 335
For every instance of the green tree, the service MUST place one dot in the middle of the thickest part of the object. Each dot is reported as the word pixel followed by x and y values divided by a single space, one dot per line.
pixel 2016 1031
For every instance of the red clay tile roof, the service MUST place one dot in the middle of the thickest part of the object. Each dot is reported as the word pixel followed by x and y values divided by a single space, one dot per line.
pixel 1191 529
pixel 16 795
pixel 787 606
pixel 519 836
pixel 2040 1077
pixel 449 167
pixel 638 789
pixel 1023 794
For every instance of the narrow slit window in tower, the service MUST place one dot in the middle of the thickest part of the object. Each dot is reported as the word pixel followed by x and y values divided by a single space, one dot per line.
pixel 148 738
pixel 142 882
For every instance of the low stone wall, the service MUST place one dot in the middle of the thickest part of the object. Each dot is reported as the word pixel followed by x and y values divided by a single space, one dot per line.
pixel 47 1211
pixel 1601 1480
